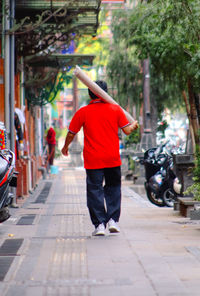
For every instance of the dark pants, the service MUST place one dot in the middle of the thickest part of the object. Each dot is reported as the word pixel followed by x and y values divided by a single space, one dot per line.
pixel 104 202
pixel 52 149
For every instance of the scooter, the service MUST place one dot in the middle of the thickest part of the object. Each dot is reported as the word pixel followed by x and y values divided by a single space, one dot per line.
pixel 8 178
pixel 162 186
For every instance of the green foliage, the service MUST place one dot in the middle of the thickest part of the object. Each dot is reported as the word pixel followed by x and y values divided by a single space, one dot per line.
pixel 125 77
pixel 123 67
pixel 62 79
pixel 59 133
pixel 47 94
pixel 131 164
pixel 162 127
pixel 195 188
pixel 133 138
pixel 168 32
pixel 197 167
pixel 165 92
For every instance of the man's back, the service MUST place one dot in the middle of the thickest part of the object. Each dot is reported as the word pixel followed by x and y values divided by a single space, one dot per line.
pixel 100 123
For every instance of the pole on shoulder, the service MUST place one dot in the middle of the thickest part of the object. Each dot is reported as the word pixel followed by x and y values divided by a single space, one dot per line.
pixel 98 90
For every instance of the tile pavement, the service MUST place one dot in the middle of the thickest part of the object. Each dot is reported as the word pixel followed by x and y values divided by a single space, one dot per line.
pixel 157 252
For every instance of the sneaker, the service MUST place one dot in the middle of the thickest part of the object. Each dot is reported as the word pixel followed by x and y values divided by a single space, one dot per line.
pixel 100 230
pixel 113 226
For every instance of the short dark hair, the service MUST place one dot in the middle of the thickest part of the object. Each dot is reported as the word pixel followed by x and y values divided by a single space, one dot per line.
pixel 100 83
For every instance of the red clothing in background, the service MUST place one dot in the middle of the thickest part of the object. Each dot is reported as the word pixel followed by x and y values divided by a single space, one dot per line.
pixel 51 140
pixel 100 123
pixel 51 136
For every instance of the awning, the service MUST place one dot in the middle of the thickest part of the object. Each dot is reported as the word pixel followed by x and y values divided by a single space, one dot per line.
pixel 54 4
pixel 45 68
pixel 60 61
pixel 41 24
pixel 85 12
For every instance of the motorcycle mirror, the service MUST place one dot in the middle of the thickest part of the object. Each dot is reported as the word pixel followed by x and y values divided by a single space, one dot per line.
pixel 134 158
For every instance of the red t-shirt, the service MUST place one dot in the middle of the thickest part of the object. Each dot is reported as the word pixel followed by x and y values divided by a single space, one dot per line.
pixel 51 136
pixel 100 123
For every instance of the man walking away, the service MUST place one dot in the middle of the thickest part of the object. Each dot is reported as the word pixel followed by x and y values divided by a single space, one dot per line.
pixel 100 122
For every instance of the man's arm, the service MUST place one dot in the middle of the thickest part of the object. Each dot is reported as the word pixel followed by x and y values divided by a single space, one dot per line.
pixel 130 128
pixel 69 138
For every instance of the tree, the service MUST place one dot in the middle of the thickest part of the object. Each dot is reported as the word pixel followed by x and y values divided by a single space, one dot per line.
pixel 163 94
pixel 124 70
pixel 168 32
pixel 125 77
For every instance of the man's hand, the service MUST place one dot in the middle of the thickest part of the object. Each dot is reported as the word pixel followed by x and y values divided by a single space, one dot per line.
pixel 69 138
pixel 130 128
pixel 135 125
pixel 64 151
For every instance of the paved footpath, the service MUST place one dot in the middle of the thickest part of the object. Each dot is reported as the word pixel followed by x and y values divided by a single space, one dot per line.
pixel 46 247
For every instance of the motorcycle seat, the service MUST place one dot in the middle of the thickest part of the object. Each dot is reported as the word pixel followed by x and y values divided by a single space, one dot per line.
pixel 4 165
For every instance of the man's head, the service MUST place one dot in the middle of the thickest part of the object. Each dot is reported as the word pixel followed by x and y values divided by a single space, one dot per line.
pixel 101 84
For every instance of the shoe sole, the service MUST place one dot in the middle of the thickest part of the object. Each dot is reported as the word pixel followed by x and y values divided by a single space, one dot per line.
pixel 113 230
pixel 99 234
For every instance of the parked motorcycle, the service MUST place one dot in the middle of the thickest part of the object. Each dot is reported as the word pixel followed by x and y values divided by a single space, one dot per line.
pixel 8 177
pixel 162 186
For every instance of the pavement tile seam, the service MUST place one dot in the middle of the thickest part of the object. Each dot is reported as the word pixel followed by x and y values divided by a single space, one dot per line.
pixel 195 252
pixel 80 282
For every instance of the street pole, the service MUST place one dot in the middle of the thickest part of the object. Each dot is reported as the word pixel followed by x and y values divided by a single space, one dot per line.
pixel 146 138
pixel 12 79
pixel 75 95
pixel 9 81
pixel 12 92
pixel 75 148
pixel 7 70
pixel 146 96
pixel 75 99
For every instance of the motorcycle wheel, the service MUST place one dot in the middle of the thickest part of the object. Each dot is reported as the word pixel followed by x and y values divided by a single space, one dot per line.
pixel 169 198
pixel 154 199
pixel 4 214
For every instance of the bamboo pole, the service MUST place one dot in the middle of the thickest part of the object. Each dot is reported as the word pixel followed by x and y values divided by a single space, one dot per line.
pixel 98 91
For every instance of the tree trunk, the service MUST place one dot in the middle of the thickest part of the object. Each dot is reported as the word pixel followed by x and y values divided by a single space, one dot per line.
pixel 193 112
pixel 189 118
pixel 197 103
pixel 154 119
